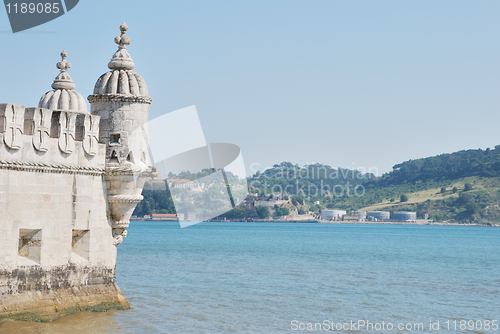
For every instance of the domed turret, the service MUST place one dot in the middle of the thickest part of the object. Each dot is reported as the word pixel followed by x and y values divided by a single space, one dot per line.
pixel 121 80
pixel 63 97
pixel 121 100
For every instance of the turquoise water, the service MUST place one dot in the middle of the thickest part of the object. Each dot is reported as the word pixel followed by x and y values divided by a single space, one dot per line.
pixel 259 277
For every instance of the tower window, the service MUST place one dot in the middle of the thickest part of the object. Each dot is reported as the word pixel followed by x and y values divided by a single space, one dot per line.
pixel 81 244
pixel 115 139
pixel 113 158
pixel 30 246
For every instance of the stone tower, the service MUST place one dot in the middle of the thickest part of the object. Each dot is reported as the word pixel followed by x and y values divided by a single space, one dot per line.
pixel 121 100
pixel 69 182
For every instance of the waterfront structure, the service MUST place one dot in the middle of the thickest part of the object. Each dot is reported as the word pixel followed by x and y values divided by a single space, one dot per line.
pixel 163 216
pixel 155 185
pixel 332 214
pixel 69 182
pixel 378 215
pixel 361 215
pixel 403 216
pixel 350 218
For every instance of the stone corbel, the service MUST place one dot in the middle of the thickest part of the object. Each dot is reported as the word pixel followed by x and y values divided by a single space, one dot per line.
pixel 122 207
pixel 119 235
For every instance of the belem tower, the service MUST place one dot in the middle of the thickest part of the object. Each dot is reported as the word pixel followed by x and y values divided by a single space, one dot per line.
pixel 69 182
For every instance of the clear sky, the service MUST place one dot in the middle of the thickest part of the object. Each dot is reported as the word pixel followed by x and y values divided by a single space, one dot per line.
pixel 344 83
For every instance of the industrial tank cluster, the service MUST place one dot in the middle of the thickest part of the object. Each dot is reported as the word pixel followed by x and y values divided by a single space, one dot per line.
pixel 377 216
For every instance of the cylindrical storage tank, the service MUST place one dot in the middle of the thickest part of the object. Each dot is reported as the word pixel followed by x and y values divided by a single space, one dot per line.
pixel 332 214
pixel 379 215
pixel 404 215
pixel 361 214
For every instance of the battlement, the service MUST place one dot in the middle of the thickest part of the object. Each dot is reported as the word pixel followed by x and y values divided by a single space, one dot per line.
pixel 47 140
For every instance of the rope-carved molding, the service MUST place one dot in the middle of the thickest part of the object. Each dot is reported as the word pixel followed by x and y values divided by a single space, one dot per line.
pixel 119 98
pixel 49 168
pixel 149 172
pixel 125 198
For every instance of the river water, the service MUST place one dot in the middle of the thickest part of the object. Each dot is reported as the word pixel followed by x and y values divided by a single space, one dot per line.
pixel 284 277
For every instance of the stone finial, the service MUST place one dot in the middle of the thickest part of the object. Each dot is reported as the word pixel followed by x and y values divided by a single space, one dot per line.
pixel 63 65
pixel 121 59
pixel 63 80
pixel 122 40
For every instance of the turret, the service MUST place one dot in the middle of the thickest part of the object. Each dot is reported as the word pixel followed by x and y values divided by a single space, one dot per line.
pixel 63 97
pixel 121 100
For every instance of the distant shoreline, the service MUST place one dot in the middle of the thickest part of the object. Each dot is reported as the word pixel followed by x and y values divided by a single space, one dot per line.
pixel 411 223
pixel 317 221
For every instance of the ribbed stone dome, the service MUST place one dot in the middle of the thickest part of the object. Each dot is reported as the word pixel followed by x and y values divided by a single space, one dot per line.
pixel 63 97
pixel 121 82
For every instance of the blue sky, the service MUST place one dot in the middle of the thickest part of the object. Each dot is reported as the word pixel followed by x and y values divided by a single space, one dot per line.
pixel 345 83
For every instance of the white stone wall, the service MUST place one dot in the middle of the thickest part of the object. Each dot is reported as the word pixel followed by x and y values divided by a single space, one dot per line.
pixel 57 193
pixel 57 204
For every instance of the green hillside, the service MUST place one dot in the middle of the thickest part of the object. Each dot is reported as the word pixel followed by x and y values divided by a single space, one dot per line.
pixel 458 187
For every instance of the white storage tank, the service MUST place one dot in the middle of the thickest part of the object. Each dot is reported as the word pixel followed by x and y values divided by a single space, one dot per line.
pixel 404 216
pixel 379 215
pixel 361 214
pixel 332 214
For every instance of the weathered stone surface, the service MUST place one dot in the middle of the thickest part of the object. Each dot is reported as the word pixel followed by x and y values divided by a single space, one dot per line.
pixel 34 294
pixel 69 181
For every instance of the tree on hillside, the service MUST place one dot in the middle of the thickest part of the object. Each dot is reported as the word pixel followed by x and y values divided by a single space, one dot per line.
pixel 262 212
pixel 282 212
pixel 403 198
pixel 443 190
pixel 467 187
pixel 236 213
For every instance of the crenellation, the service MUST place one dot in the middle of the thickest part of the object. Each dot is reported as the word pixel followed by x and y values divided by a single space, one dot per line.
pixel 34 141
pixel 91 124
pixel 67 129
pixel 29 124
pixel 12 124
pixel 55 126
